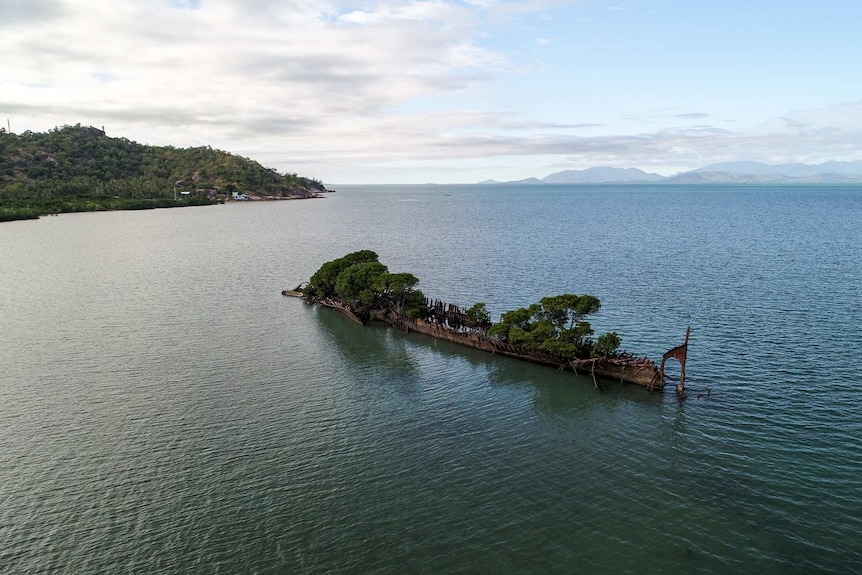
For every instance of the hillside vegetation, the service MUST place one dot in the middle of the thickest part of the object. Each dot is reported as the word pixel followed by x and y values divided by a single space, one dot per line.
pixel 77 168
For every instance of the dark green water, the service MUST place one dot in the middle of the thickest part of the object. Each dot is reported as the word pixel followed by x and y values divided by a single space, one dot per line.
pixel 164 409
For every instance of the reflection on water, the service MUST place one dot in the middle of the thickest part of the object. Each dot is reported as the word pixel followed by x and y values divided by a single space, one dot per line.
pixel 363 347
pixel 393 351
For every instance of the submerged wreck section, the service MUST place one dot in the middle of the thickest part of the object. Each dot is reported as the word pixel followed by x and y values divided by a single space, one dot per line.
pixel 553 332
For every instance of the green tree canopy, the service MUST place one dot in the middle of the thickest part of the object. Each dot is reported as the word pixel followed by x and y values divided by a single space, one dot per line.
pixel 556 326
pixel 607 344
pixel 394 289
pixel 478 315
pixel 356 282
pixel 323 282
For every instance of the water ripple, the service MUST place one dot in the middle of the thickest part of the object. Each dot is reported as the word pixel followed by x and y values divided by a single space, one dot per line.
pixel 163 409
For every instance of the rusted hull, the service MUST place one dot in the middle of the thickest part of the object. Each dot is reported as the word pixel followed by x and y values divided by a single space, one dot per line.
pixel 646 375
pixel 639 371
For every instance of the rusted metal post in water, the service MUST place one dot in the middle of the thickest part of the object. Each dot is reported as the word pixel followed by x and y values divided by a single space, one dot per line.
pixel 678 353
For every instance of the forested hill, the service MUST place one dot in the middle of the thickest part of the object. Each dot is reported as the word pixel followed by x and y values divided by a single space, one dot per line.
pixel 78 161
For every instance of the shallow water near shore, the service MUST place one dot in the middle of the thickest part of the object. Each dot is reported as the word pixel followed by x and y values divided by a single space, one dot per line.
pixel 164 409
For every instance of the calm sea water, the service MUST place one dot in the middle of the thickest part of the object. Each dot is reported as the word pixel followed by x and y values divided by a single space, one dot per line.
pixel 164 410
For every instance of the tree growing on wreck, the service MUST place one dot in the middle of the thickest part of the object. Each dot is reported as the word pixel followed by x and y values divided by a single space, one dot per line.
pixel 607 344
pixel 556 325
pixel 396 289
pixel 322 283
pixel 478 316
pixel 360 280
pixel 356 283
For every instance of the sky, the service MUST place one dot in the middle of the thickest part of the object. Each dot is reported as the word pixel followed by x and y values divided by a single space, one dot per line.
pixel 439 91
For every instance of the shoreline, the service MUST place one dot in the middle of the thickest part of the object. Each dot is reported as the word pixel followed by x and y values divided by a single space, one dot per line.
pixel 9 214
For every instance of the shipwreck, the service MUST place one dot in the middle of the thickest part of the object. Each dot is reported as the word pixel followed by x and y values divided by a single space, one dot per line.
pixel 553 332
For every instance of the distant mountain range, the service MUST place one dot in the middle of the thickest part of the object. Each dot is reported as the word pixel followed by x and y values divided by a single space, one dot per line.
pixel 724 172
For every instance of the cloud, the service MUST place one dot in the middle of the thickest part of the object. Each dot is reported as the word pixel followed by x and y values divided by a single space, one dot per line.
pixel 413 11
pixel 228 59
pixel 479 136
pixel 26 12
pixel 190 4
pixel 302 83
